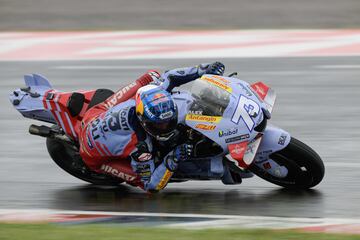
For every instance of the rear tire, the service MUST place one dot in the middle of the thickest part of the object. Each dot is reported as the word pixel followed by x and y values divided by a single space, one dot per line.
pixel 305 167
pixel 70 161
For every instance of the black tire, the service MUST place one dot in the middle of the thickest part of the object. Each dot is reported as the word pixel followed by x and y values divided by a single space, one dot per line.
pixel 306 169
pixel 68 160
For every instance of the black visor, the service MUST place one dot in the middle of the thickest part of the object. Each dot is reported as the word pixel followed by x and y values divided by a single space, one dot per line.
pixel 160 129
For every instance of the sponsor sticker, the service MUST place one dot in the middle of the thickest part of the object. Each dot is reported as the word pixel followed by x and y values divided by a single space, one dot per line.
pixel 282 139
pixel 124 119
pixel 237 151
pixel 164 180
pixel 198 112
pixel 148 112
pixel 217 83
pixel 203 118
pixel 221 79
pixel 117 173
pixel 145 157
pixel 237 138
pixel 228 132
pixel 166 115
pixel 118 95
pixel 205 127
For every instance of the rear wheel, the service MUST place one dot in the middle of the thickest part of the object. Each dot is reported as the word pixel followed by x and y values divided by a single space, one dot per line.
pixel 304 165
pixel 70 161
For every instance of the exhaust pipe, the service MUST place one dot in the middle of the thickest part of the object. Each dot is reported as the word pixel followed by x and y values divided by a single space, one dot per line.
pixel 42 130
pixel 48 132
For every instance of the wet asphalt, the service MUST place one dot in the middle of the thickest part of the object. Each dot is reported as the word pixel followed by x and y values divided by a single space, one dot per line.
pixel 317 102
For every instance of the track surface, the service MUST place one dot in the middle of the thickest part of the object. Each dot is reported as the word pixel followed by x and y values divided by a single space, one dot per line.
pixel 317 102
pixel 172 14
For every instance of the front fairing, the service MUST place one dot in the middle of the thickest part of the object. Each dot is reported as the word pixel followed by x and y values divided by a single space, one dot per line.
pixel 225 126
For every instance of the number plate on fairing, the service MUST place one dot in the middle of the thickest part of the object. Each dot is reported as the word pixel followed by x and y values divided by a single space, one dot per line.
pixel 224 109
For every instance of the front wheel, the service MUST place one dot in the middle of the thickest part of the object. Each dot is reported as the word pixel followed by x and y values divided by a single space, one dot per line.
pixel 304 165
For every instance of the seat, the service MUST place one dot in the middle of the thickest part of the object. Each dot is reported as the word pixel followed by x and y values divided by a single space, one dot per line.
pixel 100 95
pixel 75 103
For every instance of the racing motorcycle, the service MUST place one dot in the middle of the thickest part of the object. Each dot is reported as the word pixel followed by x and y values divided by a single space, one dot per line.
pixel 224 118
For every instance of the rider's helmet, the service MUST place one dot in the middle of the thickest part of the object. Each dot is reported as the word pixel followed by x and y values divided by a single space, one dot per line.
pixel 156 111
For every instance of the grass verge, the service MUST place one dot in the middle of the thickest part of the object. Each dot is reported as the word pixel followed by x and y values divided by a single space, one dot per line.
pixel 109 232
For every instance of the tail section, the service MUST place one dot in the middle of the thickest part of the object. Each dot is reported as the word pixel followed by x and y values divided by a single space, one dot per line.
pixel 29 100
pixel 39 101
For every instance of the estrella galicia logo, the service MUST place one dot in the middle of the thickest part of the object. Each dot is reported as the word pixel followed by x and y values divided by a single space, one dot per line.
pixel 228 132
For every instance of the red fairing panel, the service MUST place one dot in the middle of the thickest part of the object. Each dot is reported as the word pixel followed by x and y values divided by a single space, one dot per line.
pixel 261 89
pixel 237 152
pixel 56 102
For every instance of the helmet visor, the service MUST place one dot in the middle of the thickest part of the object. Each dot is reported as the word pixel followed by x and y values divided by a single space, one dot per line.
pixel 162 128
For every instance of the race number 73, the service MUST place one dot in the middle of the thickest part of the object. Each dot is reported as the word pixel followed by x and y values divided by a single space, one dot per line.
pixel 246 110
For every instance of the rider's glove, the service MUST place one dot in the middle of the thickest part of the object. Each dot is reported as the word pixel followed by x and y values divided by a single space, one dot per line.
pixel 216 68
pixel 142 161
pixel 180 154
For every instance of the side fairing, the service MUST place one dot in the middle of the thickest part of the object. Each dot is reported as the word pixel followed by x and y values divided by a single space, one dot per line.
pixel 237 121
pixel 183 101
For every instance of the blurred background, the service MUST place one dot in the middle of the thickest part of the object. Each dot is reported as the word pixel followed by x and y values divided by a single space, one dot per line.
pixel 318 92
pixel 173 15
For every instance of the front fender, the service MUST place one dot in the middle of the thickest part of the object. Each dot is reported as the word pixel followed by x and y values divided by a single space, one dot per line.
pixel 273 140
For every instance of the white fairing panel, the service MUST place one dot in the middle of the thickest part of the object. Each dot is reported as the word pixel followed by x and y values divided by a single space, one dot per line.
pixel 273 140
pixel 183 100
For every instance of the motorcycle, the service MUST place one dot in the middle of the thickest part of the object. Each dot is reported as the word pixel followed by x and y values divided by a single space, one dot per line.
pixel 224 118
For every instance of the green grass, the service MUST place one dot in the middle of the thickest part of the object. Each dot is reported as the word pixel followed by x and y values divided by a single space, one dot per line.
pixel 98 232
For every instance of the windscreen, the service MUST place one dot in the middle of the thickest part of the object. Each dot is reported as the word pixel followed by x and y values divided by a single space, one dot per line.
pixel 209 99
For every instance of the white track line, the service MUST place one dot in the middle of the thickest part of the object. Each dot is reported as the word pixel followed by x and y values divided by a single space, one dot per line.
pixel 338 66
pixel 186 215
pixel 89 67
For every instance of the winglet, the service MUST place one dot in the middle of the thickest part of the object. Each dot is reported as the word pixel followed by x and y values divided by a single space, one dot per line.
pixel 36 80
pixel 266 93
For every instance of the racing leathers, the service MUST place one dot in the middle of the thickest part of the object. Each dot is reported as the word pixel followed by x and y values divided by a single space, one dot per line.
pixel 111 134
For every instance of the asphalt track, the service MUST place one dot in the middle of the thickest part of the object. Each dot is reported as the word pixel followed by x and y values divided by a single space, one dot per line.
pixel 318 102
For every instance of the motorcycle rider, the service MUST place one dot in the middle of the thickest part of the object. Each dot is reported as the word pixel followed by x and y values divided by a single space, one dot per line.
pixel 123 126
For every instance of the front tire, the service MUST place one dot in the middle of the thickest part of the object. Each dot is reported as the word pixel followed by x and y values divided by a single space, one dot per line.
pixel 304 165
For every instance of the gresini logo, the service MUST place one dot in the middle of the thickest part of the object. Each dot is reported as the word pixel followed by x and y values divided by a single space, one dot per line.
pixel 117 173
pixel 113 100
